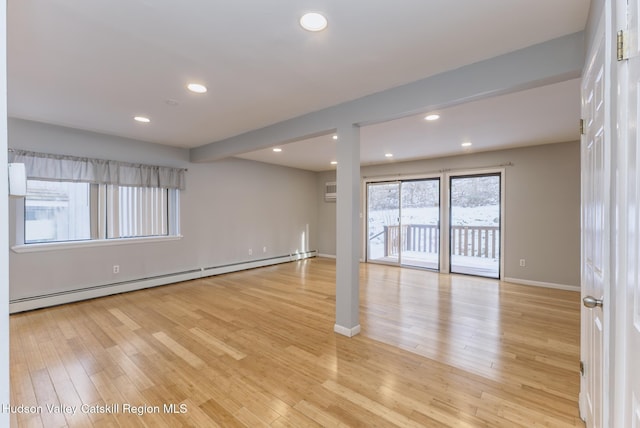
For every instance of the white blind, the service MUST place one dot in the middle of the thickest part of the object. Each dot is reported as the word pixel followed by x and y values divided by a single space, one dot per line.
pixel 136 211
pixel 43 166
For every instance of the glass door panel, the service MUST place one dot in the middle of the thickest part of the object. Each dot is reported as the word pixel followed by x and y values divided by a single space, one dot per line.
pixel 475 225
pixel 420 223
pixel 383 224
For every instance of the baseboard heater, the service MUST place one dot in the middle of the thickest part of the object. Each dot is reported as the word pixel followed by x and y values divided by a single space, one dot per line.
pixel 69 296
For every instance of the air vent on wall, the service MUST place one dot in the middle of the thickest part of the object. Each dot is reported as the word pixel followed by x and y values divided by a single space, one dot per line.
pixel 17 180
pixel 330 191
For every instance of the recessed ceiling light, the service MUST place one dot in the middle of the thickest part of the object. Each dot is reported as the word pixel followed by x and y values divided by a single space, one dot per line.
pixel 197 88
pixel 277 149
pixel 466 144
pixel 334 162
pixel 431 117
pixel 335 137
pixel 313 21
pixel 388 155
pixel 142 119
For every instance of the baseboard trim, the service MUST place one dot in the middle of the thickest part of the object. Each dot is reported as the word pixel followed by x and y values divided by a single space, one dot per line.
pixel 346 331
pixel 235 267
pixel 60 298
pixel 328 256
pixel 333 256
pixel 542 284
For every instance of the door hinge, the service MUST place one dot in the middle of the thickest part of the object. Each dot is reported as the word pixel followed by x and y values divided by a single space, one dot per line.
pixel 621 47
pixel 581 368
pixel 581 126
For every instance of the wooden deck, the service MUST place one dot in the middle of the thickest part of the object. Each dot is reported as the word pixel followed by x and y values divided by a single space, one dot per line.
pixel 477 266
pixel 257 348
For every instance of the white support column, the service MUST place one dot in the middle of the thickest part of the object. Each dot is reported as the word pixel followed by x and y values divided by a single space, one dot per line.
pixel 348 232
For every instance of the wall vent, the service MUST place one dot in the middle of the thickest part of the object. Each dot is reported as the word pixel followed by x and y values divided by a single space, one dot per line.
pixel 330 191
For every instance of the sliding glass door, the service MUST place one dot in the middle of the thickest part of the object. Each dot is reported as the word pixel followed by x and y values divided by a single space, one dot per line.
pixel 475 224
pixel 383 226
pixel 420 220
pixel 403 223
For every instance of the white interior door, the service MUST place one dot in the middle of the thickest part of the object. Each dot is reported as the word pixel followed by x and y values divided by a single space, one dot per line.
pixel 629 346
pixel 595 227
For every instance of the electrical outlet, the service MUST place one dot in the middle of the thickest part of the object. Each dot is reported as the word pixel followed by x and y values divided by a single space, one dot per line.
pixel 264 249
pixel 522 263
pixel 250 251
pixel 116 268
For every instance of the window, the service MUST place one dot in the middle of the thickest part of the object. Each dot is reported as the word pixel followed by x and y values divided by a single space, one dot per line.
pixel 57 211
pixel 136 211
pixel 74 199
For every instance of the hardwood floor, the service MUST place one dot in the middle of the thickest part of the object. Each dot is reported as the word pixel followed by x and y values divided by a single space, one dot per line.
pixel 257 348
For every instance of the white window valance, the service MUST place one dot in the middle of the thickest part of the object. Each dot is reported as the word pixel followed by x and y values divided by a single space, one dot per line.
pixel 44 166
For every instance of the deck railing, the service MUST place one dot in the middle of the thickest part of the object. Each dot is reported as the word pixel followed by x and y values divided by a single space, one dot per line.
pixel 424 238
pixel 473 241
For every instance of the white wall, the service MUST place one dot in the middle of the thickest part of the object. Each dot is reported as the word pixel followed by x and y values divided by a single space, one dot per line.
pixel 542 207
pixel 228 207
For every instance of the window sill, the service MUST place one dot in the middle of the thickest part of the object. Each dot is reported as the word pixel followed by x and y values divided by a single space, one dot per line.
pixel 53 246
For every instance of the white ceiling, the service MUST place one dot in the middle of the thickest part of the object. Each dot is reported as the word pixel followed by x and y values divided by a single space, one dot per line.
pixel 94 65
pixel 548 114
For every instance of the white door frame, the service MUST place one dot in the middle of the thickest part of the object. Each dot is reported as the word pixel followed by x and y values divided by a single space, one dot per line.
pixel 624 404
pixel 4 223
pixel 617 407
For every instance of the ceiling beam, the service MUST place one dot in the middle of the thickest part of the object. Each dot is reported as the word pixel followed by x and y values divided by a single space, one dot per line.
pixel 538 65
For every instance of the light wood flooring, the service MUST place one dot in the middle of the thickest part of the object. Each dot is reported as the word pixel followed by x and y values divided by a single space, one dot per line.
pixel 257 348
